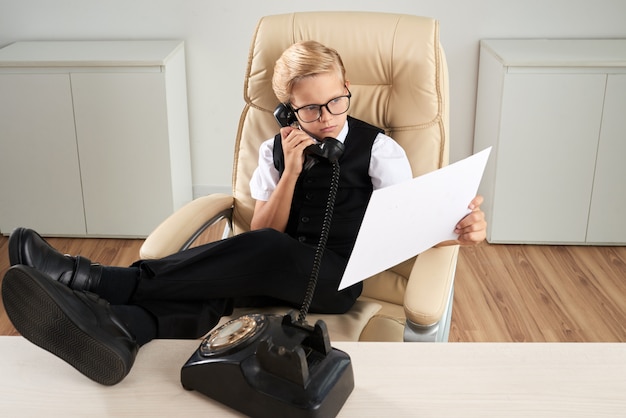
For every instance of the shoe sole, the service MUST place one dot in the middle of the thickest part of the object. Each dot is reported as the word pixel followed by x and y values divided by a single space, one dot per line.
pixel 36 315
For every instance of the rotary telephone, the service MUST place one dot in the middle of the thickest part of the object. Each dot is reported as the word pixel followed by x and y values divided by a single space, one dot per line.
pixel 273 365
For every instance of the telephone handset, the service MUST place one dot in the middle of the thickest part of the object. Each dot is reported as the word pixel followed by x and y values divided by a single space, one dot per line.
pixel 272 365
pixel 284 115
pixel 329 148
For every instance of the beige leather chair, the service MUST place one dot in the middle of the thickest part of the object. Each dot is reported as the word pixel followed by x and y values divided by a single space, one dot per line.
pixel 399 82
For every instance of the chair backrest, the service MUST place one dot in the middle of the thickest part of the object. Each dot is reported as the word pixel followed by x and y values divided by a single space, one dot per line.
pixel 398 77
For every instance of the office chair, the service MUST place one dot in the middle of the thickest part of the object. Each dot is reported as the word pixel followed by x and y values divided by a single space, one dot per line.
pixel 399 80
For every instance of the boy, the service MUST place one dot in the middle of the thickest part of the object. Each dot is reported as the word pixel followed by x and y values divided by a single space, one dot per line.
pixel 96 318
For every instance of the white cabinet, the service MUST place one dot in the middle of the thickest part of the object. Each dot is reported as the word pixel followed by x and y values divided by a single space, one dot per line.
pixel 94 137
pixel 555 113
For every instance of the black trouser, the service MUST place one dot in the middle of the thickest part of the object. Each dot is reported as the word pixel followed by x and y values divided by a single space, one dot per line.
pixel 189 291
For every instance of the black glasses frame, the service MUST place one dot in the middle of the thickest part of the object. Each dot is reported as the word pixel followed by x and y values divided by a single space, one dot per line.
pixel 320 106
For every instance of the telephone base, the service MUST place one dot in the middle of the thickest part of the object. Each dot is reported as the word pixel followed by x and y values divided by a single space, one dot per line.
pixel 271 366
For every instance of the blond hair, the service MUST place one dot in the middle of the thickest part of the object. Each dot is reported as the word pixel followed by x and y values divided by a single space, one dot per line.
pixel 301 60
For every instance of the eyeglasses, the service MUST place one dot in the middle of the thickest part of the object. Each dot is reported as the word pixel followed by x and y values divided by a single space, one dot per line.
pixel 337 106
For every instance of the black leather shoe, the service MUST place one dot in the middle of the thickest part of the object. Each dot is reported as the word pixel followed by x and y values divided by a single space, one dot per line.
pixel 27 247
pixel 76 326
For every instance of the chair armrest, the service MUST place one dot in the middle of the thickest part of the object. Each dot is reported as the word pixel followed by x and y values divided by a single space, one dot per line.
pixel 180 229
pixel 430 286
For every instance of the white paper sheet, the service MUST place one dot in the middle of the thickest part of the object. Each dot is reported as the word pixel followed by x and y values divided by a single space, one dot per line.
pixel 406 219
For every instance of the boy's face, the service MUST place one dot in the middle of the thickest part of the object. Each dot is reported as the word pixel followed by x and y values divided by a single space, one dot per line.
pixel 319 90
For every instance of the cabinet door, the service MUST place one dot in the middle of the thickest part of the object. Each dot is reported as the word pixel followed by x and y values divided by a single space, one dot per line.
pixel 39 174
pixel 546 157
pixel 608 203
pixel 121 125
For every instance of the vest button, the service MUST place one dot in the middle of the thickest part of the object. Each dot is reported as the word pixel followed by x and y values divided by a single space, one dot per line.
pixel 302 239
pixel 309 196
pixel 305 219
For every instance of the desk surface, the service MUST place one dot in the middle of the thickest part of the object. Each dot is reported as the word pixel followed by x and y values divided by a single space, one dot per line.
pixel 391 379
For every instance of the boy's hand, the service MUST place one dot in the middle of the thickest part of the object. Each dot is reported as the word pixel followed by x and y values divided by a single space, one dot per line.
pixel 294 141
pixel 472 229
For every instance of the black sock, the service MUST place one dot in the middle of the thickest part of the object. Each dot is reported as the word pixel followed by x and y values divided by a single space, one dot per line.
pixel 117 284
pixel 139 321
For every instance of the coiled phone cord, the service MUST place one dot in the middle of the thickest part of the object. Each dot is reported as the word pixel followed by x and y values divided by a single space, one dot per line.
pixel 321 245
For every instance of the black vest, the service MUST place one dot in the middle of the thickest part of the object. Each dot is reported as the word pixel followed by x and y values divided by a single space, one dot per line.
pixel 311 191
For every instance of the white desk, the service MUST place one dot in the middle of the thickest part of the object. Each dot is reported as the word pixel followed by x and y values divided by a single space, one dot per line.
pixel 392 380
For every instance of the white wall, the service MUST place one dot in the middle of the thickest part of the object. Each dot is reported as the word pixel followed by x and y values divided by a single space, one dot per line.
pixel 218 33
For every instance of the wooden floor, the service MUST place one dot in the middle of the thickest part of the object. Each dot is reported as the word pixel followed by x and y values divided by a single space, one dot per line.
pixel 540 293
pixel 502 293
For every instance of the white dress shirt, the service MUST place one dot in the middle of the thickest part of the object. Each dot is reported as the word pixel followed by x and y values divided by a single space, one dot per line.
pixel 388 165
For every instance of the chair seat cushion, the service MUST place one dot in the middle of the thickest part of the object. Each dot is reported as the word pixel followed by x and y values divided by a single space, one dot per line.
pixel 387 324
pixel 345 327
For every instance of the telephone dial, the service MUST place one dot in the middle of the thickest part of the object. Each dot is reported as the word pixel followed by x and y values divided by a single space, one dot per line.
pixel 272 365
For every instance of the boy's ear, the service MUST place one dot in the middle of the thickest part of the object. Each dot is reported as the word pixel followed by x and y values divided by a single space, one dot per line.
pixel 347 83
